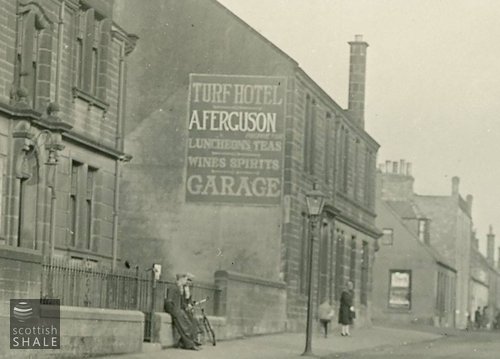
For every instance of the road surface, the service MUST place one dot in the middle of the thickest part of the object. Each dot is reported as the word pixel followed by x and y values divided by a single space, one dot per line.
pixel 466 345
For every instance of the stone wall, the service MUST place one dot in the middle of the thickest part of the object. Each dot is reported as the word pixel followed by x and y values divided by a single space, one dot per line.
pixel 84 331
pixel 251 305
pixel 87 332
pixel 94 331
pixel 19 278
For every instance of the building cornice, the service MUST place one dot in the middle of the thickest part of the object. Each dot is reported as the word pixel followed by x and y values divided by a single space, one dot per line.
pixel 370 231
pixel 355 204
pixel 94 145
pixel 120 34
pixel 48 123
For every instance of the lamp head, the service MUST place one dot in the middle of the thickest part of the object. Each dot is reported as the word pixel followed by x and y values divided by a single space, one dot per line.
pixel 315 200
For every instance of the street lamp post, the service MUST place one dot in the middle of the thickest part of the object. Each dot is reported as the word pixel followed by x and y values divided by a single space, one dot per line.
pixel 315 201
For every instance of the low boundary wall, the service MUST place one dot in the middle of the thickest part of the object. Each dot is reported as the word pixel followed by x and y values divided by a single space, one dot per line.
pixel 250 304
pixel 88 332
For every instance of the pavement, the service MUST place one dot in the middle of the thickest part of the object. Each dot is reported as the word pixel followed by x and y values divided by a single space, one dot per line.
pixel 291 345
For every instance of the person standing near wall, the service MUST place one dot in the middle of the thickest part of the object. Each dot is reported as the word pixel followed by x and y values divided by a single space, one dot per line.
pixel 485 318
pixel 477 317
pixel 346 309
pixel 325 314
pixel 188 304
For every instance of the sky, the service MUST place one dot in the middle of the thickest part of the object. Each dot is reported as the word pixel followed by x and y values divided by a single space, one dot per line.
pixel 433 82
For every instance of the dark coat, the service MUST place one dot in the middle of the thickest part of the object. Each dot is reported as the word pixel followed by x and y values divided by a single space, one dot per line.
pixel 345 313
pixel 184 334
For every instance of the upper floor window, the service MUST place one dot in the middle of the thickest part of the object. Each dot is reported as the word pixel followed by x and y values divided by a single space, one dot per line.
pixel 91 54
pixel 345 161
pixel 328 140
pixel 309 135
pixel 369 182
pixel 356 171
pixel 388 237
pixel 33 56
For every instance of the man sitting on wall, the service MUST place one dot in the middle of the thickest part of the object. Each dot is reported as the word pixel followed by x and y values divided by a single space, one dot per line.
pixel 179 304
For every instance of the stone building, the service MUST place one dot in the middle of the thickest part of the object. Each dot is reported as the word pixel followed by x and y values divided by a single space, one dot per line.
pixel 442 222
pixel 228 134
pixel 62 75
pixel 413 283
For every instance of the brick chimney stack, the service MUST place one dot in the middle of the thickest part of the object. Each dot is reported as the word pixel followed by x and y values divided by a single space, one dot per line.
pixel 357 80
pixel 469 200
pixel 395 181
pixel 490 247
pixel 475 240
pixel 498 259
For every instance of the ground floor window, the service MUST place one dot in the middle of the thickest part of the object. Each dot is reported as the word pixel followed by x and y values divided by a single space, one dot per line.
pixel 365 268
pixel 400 289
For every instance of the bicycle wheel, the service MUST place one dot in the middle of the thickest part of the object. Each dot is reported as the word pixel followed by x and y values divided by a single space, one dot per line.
pixel 209 331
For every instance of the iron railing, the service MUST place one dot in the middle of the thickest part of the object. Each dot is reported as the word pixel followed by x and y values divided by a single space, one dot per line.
pixel 85 284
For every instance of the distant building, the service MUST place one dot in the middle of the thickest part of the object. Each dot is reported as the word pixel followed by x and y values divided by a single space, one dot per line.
pixel 412 283
pixel 484 280
pixel 228 134
pixel 61 120
pixel 442 222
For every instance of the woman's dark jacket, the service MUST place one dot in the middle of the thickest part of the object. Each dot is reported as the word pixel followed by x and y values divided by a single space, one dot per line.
pixel 345 314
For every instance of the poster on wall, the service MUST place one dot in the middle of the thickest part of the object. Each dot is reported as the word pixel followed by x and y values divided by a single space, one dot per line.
pixel 400 290
pixel 236 133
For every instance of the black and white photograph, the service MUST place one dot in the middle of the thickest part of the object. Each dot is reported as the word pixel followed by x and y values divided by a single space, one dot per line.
pixel 268 179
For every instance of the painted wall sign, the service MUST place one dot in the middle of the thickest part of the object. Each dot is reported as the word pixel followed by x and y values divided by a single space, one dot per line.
pixel 236 132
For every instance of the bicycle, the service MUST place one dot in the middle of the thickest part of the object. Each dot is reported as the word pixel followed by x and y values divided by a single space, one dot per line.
pixel 208 331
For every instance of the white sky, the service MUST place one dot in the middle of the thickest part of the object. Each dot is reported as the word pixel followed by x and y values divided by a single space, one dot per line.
pixel 433 81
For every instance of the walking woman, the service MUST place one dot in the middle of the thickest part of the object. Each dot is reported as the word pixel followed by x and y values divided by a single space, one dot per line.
pixel 346 309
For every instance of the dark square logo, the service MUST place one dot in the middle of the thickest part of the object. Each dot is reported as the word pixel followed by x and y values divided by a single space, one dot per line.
pixel 35 324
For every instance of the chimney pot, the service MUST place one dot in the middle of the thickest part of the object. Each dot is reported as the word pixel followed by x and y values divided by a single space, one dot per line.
pixel 358 38
pixel 498 259
pixel 387 166
pixel 469 200
pixel 490 247
pixel 408 168
pixel 455 182
pixel 402 167
pixel 395 167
